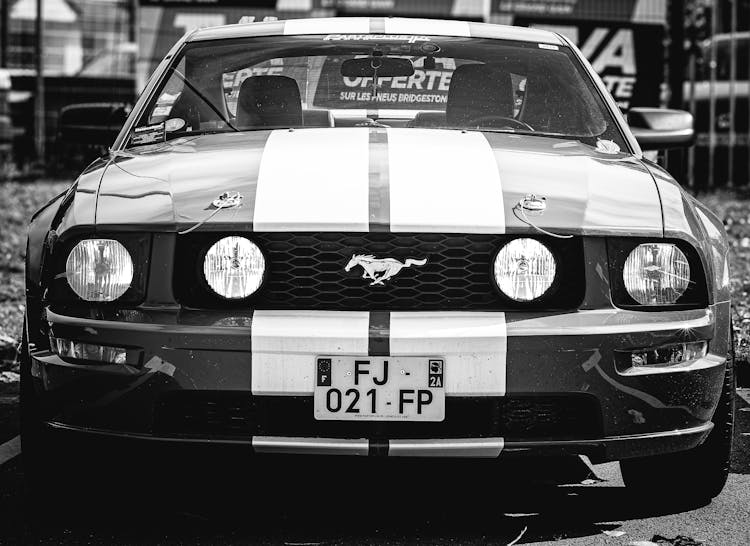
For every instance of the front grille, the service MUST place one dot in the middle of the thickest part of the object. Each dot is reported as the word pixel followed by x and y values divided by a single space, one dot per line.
pixel 516 417
pixel 306 271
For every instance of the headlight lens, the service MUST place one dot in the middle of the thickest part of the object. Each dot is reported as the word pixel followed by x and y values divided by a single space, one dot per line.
pixel 656 273
pixel 234 267
pixel 524 269
pixel 99 269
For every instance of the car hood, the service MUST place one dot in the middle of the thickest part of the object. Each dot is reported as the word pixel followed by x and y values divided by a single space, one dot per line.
pixel 377 179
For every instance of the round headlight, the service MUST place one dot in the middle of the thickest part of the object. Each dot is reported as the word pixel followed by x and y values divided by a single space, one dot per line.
pixel 234 267
pixel 656 273
pixel 99 269
pixel 524 269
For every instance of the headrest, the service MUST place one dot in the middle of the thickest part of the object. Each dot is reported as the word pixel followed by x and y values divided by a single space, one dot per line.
pixel 428 119
pixel 269 101
pixel 318 118
pixel 478 90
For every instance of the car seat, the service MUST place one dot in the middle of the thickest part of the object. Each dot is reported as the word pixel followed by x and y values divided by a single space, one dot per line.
pixel 269 101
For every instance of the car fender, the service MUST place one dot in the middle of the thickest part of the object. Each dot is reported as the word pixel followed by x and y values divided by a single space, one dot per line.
pixel 687 219
pixel 36 248
pixel 75 206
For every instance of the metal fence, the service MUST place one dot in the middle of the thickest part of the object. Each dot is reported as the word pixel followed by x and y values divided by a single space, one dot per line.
pixel 716 91
pixel 5 123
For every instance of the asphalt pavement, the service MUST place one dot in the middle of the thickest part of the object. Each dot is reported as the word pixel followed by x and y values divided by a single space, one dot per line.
pixel 230 498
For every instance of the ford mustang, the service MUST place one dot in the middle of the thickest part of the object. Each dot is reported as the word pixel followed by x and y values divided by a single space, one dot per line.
pixel 387 238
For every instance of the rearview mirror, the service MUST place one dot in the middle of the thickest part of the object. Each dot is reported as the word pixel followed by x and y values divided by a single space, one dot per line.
pixel 387 67
pixel 660 128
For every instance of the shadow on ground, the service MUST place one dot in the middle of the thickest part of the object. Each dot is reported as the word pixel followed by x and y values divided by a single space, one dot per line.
pixel 202 501
pixel 331 503
pixel 229 497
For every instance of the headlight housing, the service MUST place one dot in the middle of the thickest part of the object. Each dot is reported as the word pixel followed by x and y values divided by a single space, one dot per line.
pixel 524 269
pixel 656 273
pixel 234 267
pixel 99 269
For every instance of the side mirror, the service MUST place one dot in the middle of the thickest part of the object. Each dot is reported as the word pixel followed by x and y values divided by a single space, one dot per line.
pixel 660 128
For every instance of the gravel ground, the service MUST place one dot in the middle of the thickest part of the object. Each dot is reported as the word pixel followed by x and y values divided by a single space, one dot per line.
pixel 19 201
pixel 734 209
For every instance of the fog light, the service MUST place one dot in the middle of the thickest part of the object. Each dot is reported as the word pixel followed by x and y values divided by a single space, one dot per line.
pixel 669 355
pixel 93 353
pixel 234 267
pixel 524 269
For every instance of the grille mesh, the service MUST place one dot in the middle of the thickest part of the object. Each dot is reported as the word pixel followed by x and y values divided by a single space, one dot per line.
pixel 306 271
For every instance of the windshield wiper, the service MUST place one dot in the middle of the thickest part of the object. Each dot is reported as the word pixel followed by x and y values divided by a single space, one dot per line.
pixel 174 136
pixel 523 132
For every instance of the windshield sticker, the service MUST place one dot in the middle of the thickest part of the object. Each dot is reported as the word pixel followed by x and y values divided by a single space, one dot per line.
pixel 381 37
pixel 174 124
pixel 548 46
pixel 160 111
pixel 426 88
pixel 149 134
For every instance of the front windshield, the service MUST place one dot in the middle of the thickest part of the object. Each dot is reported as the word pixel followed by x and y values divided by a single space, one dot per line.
pixel 374 80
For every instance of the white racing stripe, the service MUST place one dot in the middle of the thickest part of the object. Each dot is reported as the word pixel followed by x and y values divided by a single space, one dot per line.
pixel 444 182
pixel 427 26
pixel 339 25
pixel 474 346
pixel 310 446
pixel 285 344
pixel 454 447
pixel 313 180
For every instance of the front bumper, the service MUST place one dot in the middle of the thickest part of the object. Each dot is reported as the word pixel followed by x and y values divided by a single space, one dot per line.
pixel 515 383
pixel 598 450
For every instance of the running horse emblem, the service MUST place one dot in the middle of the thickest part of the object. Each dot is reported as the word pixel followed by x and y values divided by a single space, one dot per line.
pixel 380 270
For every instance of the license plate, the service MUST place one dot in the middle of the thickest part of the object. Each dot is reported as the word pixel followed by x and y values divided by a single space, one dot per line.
pixel 379 389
